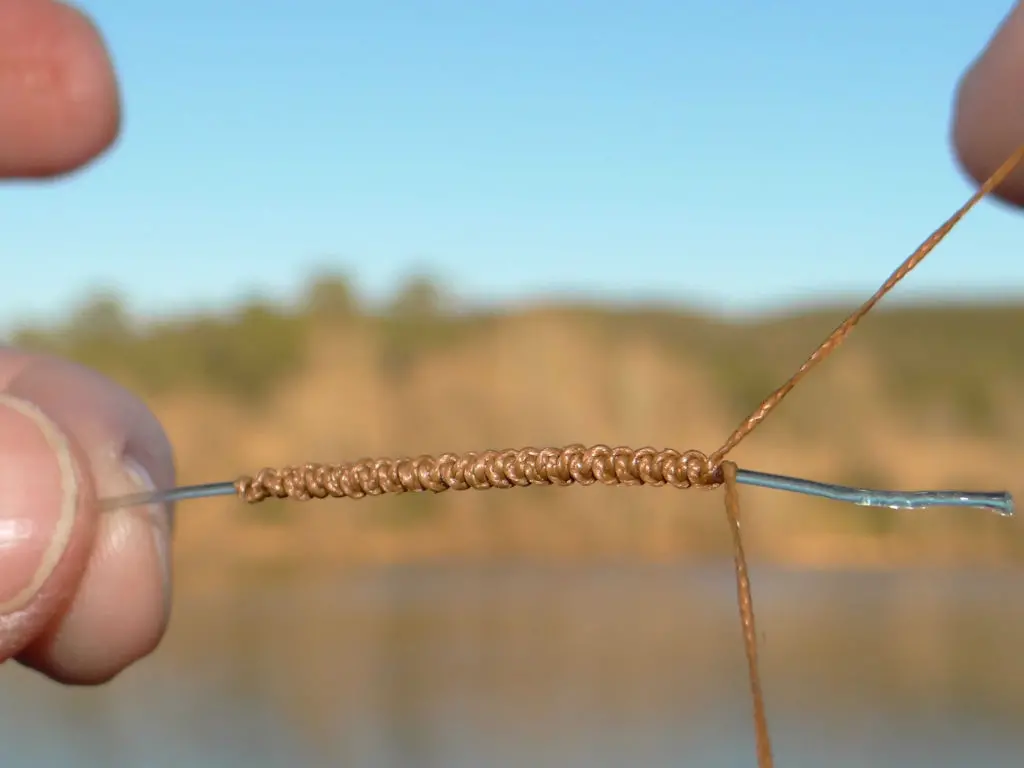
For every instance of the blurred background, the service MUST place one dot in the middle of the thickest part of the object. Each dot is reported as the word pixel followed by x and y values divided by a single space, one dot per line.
pixel 456 226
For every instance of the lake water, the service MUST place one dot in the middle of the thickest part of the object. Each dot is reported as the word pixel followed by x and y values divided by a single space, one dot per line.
pixel 524 665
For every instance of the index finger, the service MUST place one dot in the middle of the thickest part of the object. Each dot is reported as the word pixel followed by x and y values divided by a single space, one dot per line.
pixel 988 122
pixel 59 104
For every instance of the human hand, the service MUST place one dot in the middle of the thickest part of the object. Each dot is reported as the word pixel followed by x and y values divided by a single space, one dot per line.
pixel 82 594
pixel 988 122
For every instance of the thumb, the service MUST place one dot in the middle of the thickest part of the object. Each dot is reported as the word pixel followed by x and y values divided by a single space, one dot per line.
pixel 82 594
pixel 45 525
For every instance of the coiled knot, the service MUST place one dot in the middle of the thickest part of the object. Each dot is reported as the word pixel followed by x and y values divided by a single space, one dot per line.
pixel 574 464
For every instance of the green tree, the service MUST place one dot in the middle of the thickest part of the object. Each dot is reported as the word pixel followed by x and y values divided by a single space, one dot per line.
pixel 412 322
pixel 101 318
pixel 330 297
pixel 418 299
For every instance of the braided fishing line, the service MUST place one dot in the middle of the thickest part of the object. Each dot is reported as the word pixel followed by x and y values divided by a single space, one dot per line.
pixel 312 481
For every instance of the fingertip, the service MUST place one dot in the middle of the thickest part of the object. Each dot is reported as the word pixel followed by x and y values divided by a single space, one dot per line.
pixel 988 111
pixel 58 93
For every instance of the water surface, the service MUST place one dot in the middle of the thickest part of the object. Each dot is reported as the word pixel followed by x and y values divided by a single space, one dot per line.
pixel 568 666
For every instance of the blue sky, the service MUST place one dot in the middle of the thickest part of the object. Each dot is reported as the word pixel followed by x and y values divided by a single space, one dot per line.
pixel 734 156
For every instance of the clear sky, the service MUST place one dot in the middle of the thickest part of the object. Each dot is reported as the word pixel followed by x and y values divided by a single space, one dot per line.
pixel 730 155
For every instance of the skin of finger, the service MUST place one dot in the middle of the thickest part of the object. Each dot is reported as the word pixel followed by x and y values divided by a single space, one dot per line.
pixel 59 101
pixel 119 596
pixel 20 629
pixel 988 122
